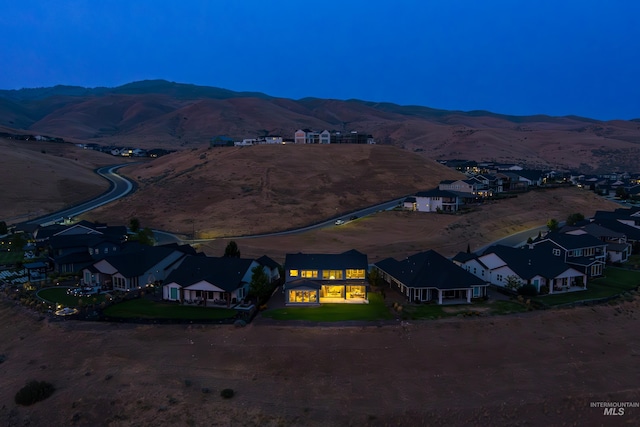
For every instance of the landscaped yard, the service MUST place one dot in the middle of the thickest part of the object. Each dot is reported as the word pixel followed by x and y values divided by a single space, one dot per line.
pixel 614 281
pixel 375 310
pixel 60 296
pixel 11 257
pixel 434 311
pixel 147 309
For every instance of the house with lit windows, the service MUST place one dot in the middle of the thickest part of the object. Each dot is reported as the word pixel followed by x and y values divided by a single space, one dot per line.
pixel 312 279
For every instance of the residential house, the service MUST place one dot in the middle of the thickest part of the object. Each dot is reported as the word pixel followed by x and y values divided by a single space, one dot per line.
pixel 136 267
pixel 306 136
pixel 618 249
pixel 505 266
pixel 429 276
pixel 311 279
pixel 210 281
pixel 586 253
pixel 271 267
pixel 436 200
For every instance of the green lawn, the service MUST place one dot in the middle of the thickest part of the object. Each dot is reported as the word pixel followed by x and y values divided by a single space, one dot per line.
pixel 434 311
pixel 614 281
pixel 375 310
pixel 59 296
pixel 147 309
pixel 12 257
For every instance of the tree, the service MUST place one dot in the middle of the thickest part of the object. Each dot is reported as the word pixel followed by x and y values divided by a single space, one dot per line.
pixel 145 236
pixel 574 218
pixel 468 248
pixel 512 283
pixel 260 285
pixel 134 225
pixel 232 251
pixel 553 224
pixel 621 193
pixel 3 228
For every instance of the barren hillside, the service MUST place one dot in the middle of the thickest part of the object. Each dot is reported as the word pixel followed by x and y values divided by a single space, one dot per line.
pixel 43 177
pixel 239 191
pixel 180 116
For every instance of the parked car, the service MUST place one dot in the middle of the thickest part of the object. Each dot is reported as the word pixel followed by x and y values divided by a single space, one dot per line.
pixel 353 217
pixel 339 222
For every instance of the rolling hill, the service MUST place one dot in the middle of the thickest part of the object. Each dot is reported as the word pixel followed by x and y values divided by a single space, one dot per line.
pixel 162 114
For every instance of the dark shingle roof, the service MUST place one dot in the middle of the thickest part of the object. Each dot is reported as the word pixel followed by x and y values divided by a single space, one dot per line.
pixel 134 263
pixel 569 241
pixel 528 263
pixel 223 272
pixel 350 259
pixel 429 270
pixel 267 262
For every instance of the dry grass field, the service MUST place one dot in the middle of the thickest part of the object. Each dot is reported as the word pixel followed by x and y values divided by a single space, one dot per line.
pixel 43 177
pixel 540 368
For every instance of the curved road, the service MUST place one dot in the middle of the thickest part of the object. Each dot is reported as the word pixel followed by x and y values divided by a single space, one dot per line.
pixel 120 187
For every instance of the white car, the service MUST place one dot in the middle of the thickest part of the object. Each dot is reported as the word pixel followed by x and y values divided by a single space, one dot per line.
pixel 339 222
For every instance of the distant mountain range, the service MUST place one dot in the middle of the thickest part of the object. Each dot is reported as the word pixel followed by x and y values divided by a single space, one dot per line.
pixel 158 113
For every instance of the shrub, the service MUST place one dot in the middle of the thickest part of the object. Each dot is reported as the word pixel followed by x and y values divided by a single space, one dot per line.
pixel 227 393
pixel 544 290
pixel 528 290
pixel 33 392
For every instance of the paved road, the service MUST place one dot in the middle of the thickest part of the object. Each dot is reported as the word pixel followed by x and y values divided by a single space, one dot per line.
pixel 163 237
pixel 119 187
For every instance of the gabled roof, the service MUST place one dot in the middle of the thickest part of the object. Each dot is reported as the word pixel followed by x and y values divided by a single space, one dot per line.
pixel 80 240
pixel 630 231
pixel 464 257
pixel 347 260
pixel 528 263
pixel 569 241
pixel 265 261
pixel 429 270
pixel 131 263
pixel 223 272
pixel 593 229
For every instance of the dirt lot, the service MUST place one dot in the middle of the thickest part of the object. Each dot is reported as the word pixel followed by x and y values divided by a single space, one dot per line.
pixel 542 368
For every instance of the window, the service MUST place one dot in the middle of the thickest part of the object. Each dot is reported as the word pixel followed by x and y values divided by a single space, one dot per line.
pixel 474 270
pixel 332 274
pixel 106 250
pixel 309 274
pixel 556 252
pixel 476 292
pixel 499 277
pixel 355 274
pixel 293 273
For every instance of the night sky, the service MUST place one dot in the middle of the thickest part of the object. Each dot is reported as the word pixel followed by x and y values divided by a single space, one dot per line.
pixel 562 57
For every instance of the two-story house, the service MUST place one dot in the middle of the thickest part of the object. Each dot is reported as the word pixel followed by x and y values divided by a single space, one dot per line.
pixel 312 279
pixel 585 252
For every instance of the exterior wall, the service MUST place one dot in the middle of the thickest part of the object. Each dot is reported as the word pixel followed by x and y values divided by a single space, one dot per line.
pixel 460 186
pixel 499 276
pixel 477 269
pixel 428 204
pixel 300 137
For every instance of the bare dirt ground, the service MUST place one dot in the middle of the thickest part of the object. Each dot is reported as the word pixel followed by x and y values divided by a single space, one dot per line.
pixel 540 368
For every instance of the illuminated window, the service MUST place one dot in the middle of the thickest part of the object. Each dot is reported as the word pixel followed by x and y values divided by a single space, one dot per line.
pixel 309 274
pixel 355 274
pixel 332 274
pixel 293 273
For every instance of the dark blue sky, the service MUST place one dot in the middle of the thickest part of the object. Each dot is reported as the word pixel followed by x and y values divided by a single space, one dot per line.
pixel 557 57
